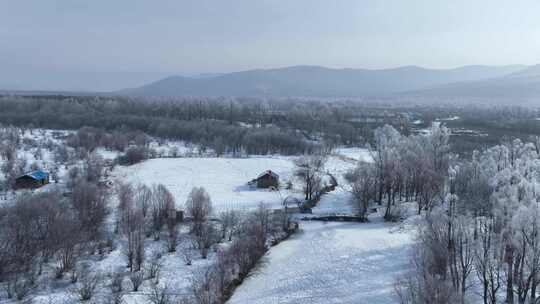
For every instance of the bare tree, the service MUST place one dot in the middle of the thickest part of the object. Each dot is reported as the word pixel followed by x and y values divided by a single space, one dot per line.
pixel 206 237
pixel 125 207
pixel 308 170
pixel 488 260
pixel 363 186
pixel 143 198
pixel 134 232
pixel 229 221
pixel 90 205
pixel 65 234
pixel 93 167
pixel 198 208
pixel 162 206
pixel 204 287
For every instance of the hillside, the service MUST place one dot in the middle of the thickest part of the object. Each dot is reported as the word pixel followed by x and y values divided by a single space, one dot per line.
pixel 314 81
pixel 522 87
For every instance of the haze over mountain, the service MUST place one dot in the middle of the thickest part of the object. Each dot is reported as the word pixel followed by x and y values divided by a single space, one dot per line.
pixel 316 81
pixel 521 87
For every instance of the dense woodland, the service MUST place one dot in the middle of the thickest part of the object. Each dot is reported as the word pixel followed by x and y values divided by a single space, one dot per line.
pixel 234 126
pixel 242 126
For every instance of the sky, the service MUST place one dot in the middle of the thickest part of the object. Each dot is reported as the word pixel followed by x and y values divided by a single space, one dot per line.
pixel 104 45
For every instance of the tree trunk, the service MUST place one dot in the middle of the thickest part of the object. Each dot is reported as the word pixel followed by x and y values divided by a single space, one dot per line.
pixel 510 275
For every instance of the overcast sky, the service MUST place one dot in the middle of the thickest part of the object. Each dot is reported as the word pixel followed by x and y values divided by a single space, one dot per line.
pixel 111 44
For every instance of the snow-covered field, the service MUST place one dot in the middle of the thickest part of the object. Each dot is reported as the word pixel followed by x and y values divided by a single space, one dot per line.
pixel 331 263
pixel 226 179
pixel 354 154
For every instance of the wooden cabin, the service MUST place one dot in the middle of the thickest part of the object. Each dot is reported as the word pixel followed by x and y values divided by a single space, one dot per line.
pixel 267 179
pixel 30 180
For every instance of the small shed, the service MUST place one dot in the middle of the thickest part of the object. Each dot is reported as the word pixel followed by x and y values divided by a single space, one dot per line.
pixel 34 179
pixel 176 215
pixel 267 179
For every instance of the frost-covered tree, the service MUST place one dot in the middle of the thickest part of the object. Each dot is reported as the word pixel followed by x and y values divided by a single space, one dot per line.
pixel 363 186
pixel 487 224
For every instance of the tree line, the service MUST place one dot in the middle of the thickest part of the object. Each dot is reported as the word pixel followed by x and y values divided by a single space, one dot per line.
pixel 225 125
pixel 480 228
pixel 402 168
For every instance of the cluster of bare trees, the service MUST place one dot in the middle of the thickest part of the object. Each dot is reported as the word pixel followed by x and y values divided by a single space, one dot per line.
pixel 215 284
pixel 134 144
pixel 199 208
pixel 12 165
pixel 483 236
pixel 403 168
pixel 91 138
pixel 143 212
pixel 48 228
pixel 309 169
pixel 47 233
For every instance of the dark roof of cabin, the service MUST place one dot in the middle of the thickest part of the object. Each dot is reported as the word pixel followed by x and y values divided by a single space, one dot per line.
pixel 268 172
pixel 37 175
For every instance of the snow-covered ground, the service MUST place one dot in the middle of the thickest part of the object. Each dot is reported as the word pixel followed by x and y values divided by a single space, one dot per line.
pixel 354 154
pixel 448 118
pixel 226 179
pixel 331 263
pixel 174 274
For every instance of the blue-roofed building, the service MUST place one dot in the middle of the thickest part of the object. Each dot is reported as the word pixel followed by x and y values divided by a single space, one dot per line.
pixel 34 179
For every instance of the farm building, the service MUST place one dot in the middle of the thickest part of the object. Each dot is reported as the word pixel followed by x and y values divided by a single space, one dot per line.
pixel 34 179
pixel 267 179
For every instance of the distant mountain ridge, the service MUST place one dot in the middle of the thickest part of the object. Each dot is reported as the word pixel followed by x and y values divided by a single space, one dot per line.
pixel 520 87
pixel 316 81
pixel 532 71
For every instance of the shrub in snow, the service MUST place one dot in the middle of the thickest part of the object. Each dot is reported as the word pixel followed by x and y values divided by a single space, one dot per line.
pixel 153 269
pixel 159 294
pixel 117 279
pixel 187 256
pixel 136 279
pixel 87 284
pixel 134 155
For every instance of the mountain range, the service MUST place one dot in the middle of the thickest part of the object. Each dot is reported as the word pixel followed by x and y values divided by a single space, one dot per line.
pixel 522 86
pixel 313 81
pixel 511 84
